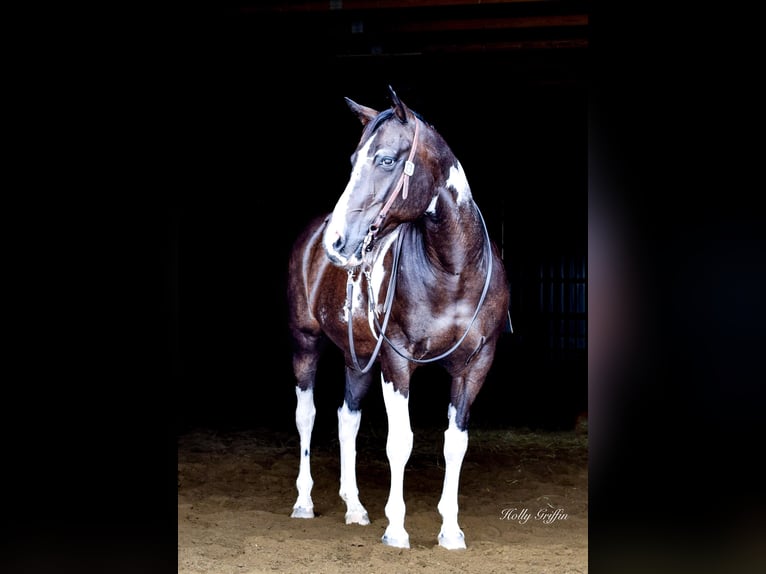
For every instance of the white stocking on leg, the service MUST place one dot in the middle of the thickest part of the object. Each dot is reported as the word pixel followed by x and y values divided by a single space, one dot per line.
pixel 304 420
pixel 398 449
pixel 348 426
pixel 455 446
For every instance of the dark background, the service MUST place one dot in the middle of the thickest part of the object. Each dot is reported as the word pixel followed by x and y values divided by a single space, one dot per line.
pixel 512 103
pixel 142 127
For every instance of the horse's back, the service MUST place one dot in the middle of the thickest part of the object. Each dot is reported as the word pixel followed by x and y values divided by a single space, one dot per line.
pixel 305 244
pixel 312 280
pixel 300 269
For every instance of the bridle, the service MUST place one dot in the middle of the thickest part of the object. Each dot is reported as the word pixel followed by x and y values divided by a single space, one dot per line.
pixel 403 186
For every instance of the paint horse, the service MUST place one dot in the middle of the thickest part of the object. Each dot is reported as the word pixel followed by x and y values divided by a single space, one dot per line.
pixel 401 273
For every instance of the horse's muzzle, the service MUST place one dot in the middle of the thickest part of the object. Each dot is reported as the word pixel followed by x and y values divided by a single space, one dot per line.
pixel 340 259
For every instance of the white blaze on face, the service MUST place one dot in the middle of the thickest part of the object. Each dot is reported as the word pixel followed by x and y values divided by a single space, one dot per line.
pixel 458 181
pixel 336 227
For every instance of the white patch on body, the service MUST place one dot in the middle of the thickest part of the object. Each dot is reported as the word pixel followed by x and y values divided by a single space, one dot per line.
pixel 459 183
pixel 357 298
pixel 459 314
pixel 455 446
pixel 348 427
pixel 431 209
pixel 336 226
pixel 304 420
pixel 398 449
pixel 377 274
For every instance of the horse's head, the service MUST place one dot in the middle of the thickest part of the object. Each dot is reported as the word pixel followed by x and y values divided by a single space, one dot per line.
pixel 390 182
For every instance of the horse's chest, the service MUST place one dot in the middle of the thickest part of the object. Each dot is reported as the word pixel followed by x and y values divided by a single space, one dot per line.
pixel 418 321
pixel 422 316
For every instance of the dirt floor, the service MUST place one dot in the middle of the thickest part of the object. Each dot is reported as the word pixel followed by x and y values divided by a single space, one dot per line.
pixel 523 505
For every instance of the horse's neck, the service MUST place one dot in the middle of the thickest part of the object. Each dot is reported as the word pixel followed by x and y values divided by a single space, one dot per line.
pixel 453 235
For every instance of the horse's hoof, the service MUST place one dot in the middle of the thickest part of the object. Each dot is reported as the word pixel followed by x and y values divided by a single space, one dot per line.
pixel 454 541
pixel 399 541
pixel 301 512
pixel 357 518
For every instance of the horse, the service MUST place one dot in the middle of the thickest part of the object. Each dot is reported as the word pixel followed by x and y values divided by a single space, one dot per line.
pixel 402 272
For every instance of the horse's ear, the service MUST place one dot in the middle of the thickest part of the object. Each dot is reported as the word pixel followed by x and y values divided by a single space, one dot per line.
pixel 365 114
pixel 400 110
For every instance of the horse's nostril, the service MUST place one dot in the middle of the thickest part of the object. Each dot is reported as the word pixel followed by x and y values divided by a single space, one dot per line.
pixel 338 244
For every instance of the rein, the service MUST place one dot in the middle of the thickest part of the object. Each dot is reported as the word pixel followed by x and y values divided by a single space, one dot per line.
pixel 403 184
pixel 371 307
pixel 488 252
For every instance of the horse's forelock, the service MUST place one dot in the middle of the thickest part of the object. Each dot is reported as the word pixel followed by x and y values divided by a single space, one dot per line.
pixel 381 117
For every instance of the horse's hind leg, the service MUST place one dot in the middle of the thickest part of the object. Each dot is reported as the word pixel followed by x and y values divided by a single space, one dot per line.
pixel 304 366
pixel 349 417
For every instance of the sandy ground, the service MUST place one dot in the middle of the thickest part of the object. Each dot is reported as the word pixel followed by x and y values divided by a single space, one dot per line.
pixel 523 505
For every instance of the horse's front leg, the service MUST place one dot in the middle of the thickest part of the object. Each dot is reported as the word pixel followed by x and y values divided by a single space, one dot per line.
pixel 455 446
pixel 305 360
pixel 304 420
pixel 398 449
pixel 349 417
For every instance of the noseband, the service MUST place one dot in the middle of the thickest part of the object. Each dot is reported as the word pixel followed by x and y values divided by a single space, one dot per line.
pixel 403 185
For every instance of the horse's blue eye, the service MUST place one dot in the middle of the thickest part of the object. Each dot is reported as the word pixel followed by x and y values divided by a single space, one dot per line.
pixel 387 161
